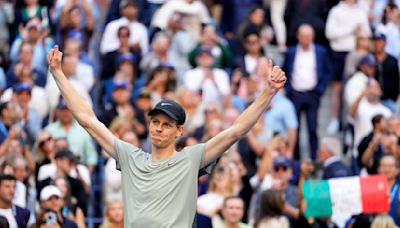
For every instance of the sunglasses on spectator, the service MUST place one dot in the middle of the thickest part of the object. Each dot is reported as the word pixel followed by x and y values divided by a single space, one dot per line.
pixel 45 141
pixel 279 168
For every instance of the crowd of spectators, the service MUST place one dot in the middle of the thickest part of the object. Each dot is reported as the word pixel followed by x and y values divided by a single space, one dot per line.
pixel 123 56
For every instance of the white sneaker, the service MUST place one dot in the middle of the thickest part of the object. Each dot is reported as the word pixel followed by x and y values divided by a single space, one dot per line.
pixel 333 126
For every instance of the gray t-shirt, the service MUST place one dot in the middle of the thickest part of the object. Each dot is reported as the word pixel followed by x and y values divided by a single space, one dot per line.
pixel 159 193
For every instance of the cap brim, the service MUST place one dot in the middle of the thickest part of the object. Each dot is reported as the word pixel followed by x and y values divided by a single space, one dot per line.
pixel 166 112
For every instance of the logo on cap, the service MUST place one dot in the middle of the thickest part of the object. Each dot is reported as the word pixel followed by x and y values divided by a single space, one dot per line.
pixel 163 104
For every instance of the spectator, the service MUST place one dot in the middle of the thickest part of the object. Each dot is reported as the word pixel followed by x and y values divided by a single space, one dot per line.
pixel 70 68
pixel 312 12
pixel 329 153
pixel 363 46
pixel 253 52
pixel 387 73
pixel 232 212
pixel 308 68
pixel 212 83
pixel 26 64
pixel 110 59
pixel 112 178
pixel 28 118
pixel 85 72
pixel 65 166
pixel 190 102
pixel 383 220
pixel 281 118
pixel 71 24
pixel 194 10
pixel 37 35
pixel 181 45
pixel 50 201
pixel 38 100
pixel 371 148
pixel 69 208
pixel 158 55
pixel 342 34
pixel 79 140
pixel 271 210
pixel 7 119
pixel 277 9
pixel 16 216
pixel 388 166
pixel 121 106
pixel 211 40
pixel 138 38
pixel 113 215
pixel 44 150
pixel 30 9
pixel 7 18
pixel 389 28
pixel 234 13
pixel 365 108
pixel 161 83
pixel 220 187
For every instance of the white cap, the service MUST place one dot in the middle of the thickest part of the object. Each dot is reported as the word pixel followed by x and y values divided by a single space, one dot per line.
pixel 49 191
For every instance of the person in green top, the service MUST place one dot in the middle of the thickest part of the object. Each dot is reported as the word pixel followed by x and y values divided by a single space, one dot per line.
pixel 160 189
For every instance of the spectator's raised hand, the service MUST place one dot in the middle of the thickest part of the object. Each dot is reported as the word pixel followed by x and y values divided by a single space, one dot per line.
pixel 54 58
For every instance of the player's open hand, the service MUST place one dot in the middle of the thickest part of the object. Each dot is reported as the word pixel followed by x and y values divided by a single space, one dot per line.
pixel 275 76
pixel 54 58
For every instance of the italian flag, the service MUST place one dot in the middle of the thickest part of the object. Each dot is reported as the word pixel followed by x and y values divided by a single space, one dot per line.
pixel 340 198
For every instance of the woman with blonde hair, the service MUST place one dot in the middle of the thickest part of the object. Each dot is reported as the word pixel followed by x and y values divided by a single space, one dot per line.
pixel 220 186
pixel 113 215
pixel 383 221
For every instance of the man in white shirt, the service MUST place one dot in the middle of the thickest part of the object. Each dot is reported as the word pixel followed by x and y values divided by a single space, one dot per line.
pixel 308 68
pixel 212 83
pixel 138 37
pixel 16 216
pixel 345 21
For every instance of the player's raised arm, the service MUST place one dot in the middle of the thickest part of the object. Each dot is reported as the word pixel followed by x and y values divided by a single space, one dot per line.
pixel 79 108
pixel 216 146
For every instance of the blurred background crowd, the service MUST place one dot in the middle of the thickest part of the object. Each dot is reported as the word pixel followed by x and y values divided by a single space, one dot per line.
pixel 338 115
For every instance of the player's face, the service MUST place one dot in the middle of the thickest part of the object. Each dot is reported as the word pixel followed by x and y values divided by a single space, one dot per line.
pixel 163 130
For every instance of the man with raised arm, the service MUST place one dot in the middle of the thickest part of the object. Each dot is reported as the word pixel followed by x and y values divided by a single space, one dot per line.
pixel 160 189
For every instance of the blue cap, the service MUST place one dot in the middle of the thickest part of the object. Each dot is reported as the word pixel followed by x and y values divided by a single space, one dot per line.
pixel 281 161
pixel 368 60
pixel 76 35
pixel 22 87
pixel 120 85
pixel 61 104
pixel 167 65
pixel 379 36
pixel 126 57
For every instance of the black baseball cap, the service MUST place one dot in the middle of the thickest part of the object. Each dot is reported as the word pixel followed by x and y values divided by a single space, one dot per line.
pixel 170 108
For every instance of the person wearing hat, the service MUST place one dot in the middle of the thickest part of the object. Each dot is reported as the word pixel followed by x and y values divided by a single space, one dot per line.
pixel 358 82
pixel 138 33
pixel 387 73
pixel 29 119
pixel 160 188
pixel 212 83
pixel 51 203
